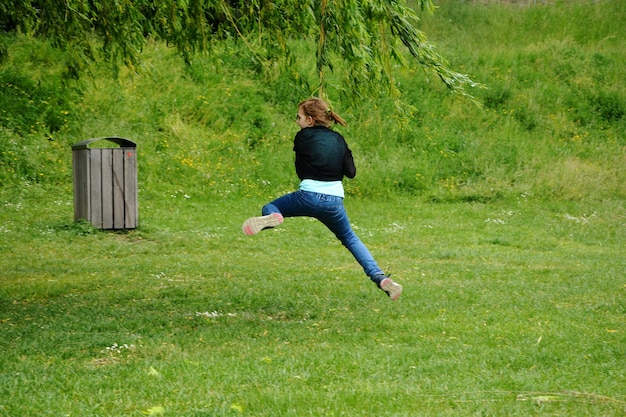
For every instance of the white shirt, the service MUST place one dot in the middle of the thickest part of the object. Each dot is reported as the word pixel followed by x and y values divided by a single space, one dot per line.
pixel 323 187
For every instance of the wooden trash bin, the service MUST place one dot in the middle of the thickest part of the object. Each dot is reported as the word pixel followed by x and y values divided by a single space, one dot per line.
pixel 105 183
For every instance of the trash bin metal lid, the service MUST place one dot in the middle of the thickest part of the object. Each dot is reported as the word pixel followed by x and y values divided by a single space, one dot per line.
pixel 123 143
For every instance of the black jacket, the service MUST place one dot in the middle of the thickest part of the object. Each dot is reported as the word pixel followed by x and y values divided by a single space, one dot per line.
pixel 323 155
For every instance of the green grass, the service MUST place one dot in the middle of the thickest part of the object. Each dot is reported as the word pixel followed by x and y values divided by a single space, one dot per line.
pixel 505 224
pixel 514 308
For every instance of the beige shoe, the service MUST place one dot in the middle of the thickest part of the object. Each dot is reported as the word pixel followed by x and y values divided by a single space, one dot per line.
pixel 393 289
pixel 254 225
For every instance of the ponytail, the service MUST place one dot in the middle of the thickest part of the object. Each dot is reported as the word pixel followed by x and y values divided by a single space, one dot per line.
pixel 335 117
pixel 317 109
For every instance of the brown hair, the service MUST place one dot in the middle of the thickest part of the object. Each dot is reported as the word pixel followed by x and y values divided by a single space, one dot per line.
pixel 319 111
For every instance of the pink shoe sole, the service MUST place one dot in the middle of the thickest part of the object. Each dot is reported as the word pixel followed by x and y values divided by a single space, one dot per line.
pixel 254 225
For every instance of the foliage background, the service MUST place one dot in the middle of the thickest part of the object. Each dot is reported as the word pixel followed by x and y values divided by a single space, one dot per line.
pixel 551 123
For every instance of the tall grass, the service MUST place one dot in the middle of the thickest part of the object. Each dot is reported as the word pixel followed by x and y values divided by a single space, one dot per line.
pixel 555 107
pixel 551 125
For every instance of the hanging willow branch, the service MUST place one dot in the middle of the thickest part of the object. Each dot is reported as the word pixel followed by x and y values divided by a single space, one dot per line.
pixel 358 38
pixel 367 35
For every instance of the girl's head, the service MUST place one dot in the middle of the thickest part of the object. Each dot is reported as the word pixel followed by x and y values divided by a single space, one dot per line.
pixel 315 111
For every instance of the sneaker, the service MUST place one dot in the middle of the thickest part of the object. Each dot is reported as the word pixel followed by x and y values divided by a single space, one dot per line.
pixel 254 225
pixel 393 289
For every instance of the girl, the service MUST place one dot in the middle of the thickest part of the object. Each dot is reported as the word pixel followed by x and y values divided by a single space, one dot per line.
pixel 322 160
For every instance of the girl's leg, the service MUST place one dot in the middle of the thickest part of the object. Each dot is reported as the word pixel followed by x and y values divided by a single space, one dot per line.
pixel 336 219
pixel 273 214
pixel 331 212
pixel 334 216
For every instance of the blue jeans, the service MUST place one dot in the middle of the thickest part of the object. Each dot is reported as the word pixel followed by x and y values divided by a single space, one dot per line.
pixel 330 211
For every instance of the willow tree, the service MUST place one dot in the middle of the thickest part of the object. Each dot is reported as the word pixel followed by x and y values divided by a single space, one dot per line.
pixel 362 38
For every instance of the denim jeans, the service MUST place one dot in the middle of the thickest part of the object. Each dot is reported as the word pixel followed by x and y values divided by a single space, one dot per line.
pixel 330 211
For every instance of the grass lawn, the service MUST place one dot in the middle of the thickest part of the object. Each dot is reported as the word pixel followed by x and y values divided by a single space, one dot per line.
pixel 513 305
pixel 513 308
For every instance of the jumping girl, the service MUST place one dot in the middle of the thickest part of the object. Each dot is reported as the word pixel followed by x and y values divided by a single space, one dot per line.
pixel 322 160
